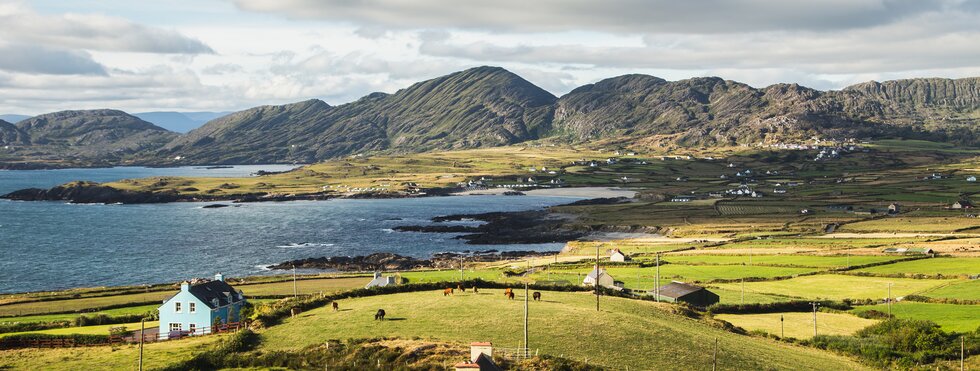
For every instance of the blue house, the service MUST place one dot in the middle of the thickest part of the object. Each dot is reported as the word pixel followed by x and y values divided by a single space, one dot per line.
pixel 198 306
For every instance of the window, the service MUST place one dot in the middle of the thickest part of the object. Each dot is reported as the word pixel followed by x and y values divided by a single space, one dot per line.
pixel 177 307
pixel 192 307
pixel 193 326
pixel 175 327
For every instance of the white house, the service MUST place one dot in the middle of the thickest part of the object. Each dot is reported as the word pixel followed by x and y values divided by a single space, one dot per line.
pixel 971 178
pixel 605 280
pixel 380 281
pixel 619 256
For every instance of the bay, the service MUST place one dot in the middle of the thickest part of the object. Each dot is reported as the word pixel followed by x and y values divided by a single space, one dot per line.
pixel 55 245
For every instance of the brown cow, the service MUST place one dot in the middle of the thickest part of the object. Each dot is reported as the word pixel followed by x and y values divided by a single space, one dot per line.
pixel 448 291
pixel 536 296
pixel 508 291
pixel 336 307
pixel 510 295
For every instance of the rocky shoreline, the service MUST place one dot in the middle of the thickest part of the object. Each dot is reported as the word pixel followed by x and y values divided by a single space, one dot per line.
pixel 393 262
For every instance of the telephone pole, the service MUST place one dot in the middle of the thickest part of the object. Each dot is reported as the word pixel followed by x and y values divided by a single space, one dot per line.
pixel 657 283
pixel 295 293
pixel 527 347
pixel 815 304
pixel 461 268
pixel 714 356
pixel 889 299
pixel 142 329
pixel 782 327
pixel 596 282
pixel 743 291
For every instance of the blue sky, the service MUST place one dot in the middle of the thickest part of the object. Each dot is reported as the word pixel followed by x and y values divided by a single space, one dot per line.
pixel 233 54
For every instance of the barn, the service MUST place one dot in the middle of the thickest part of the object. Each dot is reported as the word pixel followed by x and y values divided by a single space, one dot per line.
pixel 682 292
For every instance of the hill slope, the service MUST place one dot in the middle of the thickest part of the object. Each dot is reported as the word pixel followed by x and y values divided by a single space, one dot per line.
pixel 624 333
pixel 86 137
pixel 11 134
pixel 179 122
pixel 478 107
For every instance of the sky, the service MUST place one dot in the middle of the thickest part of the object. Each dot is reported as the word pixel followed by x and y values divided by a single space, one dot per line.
pixel 225 55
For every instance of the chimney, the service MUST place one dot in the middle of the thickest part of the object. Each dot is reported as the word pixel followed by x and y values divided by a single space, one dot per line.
pixel 480 348
pixel 219 277
pixel 185 286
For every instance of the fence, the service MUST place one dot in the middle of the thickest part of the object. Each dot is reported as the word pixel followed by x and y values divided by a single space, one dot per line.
pixel 515 354
pixel 226 327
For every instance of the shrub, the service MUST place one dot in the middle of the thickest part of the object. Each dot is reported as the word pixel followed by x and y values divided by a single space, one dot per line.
pixel 900 343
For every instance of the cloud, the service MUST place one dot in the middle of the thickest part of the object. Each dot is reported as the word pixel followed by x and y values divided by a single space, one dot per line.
pixel 34 59
pixel 222 69
pixel 92 32
pixel 622 16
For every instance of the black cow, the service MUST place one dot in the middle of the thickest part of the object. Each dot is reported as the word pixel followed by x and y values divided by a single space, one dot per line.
pixel 380 316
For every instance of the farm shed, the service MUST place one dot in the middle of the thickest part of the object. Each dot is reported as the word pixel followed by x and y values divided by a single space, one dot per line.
pixel 380 281
pixel 682 292
pixel 604 279
pixel 619 256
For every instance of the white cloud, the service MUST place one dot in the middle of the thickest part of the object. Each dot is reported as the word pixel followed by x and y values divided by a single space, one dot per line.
pixel 35 59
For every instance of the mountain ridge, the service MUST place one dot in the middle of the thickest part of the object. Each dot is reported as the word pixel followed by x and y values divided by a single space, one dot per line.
pixel 490 106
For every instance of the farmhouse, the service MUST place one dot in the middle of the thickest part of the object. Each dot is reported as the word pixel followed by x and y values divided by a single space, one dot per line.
pixel 380 281
pixel 682 199
pixel 198 306
pixel 962 204
pixel 894 208
pixel 906 250
pixel 619 256
pixel 971 178
pixel 604 279
pixel 682 292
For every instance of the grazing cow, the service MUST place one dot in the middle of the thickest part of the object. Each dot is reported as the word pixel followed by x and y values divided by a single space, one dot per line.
pixel 448 291
pixel 336 307
pixel 536 296
pixel 508 292
pixel 460 288
pixel 380 316
pixel 475 290
pixel 510 295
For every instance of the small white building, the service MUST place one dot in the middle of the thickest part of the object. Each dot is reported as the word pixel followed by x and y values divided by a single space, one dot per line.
pixel 619 256
pixel 381 281
pixel 604 279
pixel 971 178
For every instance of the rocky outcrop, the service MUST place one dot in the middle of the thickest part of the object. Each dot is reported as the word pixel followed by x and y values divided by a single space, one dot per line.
pixel 500 228
pixel 88 192
pixel 395 262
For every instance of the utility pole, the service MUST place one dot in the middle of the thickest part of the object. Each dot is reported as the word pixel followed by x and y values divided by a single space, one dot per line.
pixel 743 291
pixel 889 299
pixel 596 277
pixel 848 259
pixel 782 327
pixel 461 268
pixel 657 283
pixel 526 345
pixel 142 329
pixel 295 293
pixel 714 357
pixel 815 304
pixel 962 351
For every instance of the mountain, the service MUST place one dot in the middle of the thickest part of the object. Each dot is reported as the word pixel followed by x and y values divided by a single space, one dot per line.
pixel 180 122
pixel 12 118
pixel 712 111
pixel 490 106
pixel 479 107
pixel 84 138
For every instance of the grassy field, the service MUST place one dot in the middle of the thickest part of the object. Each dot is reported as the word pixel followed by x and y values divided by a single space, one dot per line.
pixel 86 330
pixel 935 266
pixel 305 286
pixel 140 309
pixel 950 224
pixel 838 287
pixel 965 290
pixel 124 357
pixel 644 278
pixel 779 260
pixel 798 324
pixel 624 333
pixel 951 317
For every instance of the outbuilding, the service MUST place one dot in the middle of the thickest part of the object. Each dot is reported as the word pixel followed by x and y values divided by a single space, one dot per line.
pixel 619 256
pixel 683 292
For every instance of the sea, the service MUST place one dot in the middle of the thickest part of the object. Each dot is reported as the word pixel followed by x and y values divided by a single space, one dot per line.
pixel 52 245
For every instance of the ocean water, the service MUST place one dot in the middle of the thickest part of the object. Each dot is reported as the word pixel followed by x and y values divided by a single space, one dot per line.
pixel 55 245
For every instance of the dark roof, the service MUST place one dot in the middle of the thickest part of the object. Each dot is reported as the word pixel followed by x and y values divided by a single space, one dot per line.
pixel 211 290
pixel 678 289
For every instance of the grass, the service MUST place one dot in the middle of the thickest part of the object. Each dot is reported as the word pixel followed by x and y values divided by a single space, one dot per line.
pixel 625 333
pixel 936 266
pixel 798 324
pixel 124 357
pixel 951 317
pixel 965 290
pixel 71 316
pixel 838 287
pixel 728 296
pixel 645 278
pixel 82 304
pixel 780 260
pixel 305 286
pixel 86 330
pixel 951 224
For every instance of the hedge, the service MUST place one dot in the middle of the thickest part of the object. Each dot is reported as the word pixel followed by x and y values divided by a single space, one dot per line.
pixel 786 306
pixel 25 340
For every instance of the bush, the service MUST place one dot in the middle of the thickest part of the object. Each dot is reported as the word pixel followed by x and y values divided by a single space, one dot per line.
pixel 900 343
pixel 874 314
pixel 21 340
pixel 8 327
pixel 787 306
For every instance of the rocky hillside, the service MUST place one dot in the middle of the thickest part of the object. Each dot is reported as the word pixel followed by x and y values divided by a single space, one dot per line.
pixel 479 107
pixel 83 138
pixel 712 111
pixel 11 135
